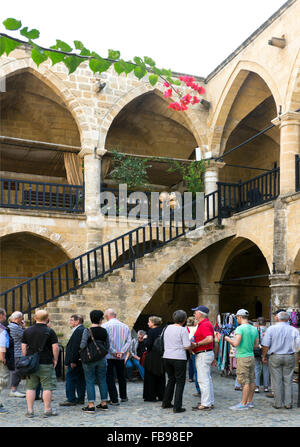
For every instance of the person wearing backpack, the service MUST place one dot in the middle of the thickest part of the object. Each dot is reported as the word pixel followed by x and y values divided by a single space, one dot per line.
pixel 4 345
pixel 176 344
pixel 41 339
pixel 154 379
pixel 95 339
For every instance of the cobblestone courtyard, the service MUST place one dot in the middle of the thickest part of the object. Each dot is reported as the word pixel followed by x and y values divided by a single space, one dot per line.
pixel 137 413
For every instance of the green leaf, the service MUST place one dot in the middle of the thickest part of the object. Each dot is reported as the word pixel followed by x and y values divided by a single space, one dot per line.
pixel 99 65
pixel 153 78
pixel 85 52
pixel 55 57
pixel 120 66
pixel 112 54
pixel 7 45
pixel 38 56
pixel 149 61
pixel 72 63
pixel 12 24
pixel 61 45
pixel 140 72
pixel 129 67
pixel 33 34
pixel 78 45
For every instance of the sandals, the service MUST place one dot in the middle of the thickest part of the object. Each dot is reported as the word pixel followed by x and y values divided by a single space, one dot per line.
pixel 202 408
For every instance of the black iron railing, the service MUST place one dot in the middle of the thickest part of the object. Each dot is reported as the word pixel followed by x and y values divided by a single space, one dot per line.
pixel 297 167
pixel 41 196
pixel 94 264
pixel 236 197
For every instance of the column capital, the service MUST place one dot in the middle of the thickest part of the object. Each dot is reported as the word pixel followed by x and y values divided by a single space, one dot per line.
pixel 287 118
pixel 214 165
pixel 92 150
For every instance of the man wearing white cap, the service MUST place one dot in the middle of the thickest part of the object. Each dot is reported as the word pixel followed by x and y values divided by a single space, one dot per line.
pixel 245 340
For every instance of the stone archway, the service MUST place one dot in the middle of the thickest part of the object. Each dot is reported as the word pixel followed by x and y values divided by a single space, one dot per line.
pixel 293 92
pixel 50 78
pixel 227 98
pixel 190 117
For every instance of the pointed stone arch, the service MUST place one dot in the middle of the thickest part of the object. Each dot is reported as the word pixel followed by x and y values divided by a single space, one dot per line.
pixel 193 122
pixel 228 95
pixel 53 81
pixel 293 91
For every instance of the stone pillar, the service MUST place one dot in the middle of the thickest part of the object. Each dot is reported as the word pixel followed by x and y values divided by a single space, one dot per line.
pixel 209 296
pixel 211 178
pixel 285 291
pixel 92 182
pixel 289 124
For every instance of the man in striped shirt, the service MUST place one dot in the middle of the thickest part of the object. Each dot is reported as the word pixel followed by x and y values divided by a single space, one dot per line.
pixel 119 343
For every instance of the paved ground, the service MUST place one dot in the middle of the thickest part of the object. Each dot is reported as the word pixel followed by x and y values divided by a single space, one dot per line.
pixel 137 413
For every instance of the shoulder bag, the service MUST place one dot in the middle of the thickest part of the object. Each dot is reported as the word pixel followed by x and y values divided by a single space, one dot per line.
pixel 94 351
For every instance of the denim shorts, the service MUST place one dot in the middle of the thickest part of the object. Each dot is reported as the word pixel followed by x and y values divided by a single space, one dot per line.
pixel 46 375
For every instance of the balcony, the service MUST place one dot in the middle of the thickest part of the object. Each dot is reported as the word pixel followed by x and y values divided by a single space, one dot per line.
pixel 41 196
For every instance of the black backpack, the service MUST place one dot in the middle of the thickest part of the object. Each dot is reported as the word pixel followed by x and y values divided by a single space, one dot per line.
pixel 10 353
pixel 158 344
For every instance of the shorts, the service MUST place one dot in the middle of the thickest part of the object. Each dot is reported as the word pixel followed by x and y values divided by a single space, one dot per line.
pixel 245 370
pixel 46 375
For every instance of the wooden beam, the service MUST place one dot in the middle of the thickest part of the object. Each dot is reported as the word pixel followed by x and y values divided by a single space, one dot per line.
pixel 33 144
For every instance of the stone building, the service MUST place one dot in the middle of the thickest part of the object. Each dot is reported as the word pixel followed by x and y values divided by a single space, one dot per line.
pixel 246 256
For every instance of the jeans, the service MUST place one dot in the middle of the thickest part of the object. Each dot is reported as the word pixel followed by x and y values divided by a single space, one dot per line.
pixel 282 370
pixel 195 373
pixel 176 371
pixel 16 377
pixel 75 382
pixel 119 365
pixel 203 365
pixel 130 364
pixel 261 367
pixel 95 371
pixel 191 369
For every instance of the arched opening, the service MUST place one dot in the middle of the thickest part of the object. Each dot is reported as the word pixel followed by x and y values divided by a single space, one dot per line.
pixel 33 112
pixel 245 283
pixel 146 127
pixel 251 112
pixel 180 291
pixel 24 255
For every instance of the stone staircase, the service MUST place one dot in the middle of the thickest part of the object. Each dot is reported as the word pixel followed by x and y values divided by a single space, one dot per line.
pixel 117 290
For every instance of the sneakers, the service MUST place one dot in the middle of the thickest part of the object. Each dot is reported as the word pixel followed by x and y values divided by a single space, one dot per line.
pixel 266 390
pixel 256 390
pixel 113 403
pixel 16 394
pixel 124 400
pixel 51 412
pixel 89 410
pixel 250 405
pixel 67 403
pixel 102 407
pixel 29 414
pixel 178 410
pixel 239 407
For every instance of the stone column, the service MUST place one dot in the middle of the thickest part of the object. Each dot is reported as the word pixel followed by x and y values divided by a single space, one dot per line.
pixel 285 291
pixel 92 181
pixel 211 177
pixel 289 124
pixel 209 296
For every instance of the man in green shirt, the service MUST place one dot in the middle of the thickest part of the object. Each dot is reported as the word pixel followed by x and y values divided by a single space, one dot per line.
pixel 245 340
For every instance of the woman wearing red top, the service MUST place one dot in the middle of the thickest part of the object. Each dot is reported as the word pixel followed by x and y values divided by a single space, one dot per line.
pixel 203 347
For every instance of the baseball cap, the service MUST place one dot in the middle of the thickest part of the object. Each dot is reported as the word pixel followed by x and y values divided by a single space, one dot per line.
pixel 202 309
pixel 279 310
pixel 242 313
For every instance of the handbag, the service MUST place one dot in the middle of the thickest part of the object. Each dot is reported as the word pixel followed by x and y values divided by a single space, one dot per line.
pixel 94 351
pixel 29 364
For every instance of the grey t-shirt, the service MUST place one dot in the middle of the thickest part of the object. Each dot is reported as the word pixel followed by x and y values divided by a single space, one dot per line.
pixel 176 338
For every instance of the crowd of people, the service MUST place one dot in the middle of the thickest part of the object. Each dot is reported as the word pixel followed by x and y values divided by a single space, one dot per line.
pixel 105 354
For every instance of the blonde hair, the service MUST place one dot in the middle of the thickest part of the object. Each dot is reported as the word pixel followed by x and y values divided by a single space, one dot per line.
pixel 156 320
pixel 41 315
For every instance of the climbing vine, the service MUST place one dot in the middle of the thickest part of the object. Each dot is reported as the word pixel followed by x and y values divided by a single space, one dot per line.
pixel 73 56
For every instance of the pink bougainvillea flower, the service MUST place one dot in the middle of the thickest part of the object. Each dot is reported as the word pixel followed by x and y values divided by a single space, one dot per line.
pixel 175 106
pixel 195 100
pixel 187 98
pixel 201 90
pixel 168 93
pixel 166 84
